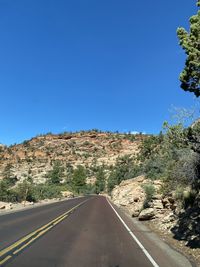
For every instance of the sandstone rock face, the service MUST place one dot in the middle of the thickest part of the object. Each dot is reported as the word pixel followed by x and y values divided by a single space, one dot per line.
pixel 35 157
pixel 146 214
pixel 67 194
pixel 130 195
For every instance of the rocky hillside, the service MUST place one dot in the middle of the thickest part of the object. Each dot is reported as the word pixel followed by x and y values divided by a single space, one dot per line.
pixel 164 214
pixel 34 158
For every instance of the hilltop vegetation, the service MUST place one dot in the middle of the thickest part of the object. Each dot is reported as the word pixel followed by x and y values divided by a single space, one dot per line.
pixel 48 164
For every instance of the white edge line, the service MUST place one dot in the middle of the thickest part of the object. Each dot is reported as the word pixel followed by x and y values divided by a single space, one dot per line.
pixel 135 238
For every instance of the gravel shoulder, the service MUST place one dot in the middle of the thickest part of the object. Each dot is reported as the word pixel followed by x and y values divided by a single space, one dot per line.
pixel 192 254
pixel 20 206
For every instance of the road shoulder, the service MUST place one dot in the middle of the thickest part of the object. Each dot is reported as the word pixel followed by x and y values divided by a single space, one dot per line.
pixel 154 244
pixel 35 205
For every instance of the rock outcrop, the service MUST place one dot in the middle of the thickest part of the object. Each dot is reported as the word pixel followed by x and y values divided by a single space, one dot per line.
pixel 67 194
pixel 35 157
pixel 146 214
pixel 130 196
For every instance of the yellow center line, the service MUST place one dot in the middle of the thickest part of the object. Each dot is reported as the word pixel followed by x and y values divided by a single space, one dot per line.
pixel 40 231
pixel 34 238
pixel 4 251
pixel 6 259
pixel 61 219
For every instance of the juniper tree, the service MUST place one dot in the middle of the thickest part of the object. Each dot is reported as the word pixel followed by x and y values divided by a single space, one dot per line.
pixel 100 181
pixel 56 174
pixel 190 42
pixel 79 179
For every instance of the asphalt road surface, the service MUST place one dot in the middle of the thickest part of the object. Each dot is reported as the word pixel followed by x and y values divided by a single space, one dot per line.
pixel 82 232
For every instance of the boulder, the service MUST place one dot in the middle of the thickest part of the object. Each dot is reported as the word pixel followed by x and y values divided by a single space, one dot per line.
pixel 157 204
pixel 5 205
pixel 146 214
pixel 157 197
pixel 2 205
pixel 129 193
pixel 67 194
pixel 27 203
pixel 135 213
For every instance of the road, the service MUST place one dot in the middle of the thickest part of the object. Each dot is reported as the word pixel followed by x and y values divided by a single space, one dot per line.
pixel 82 232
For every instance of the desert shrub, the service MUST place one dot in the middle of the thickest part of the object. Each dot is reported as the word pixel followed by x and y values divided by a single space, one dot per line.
pixel 86 143
pixel 149 190
pixel 154 167
pixel 24 191
pixel 30 192
pixel 88 189
pixel 150 146
pixel 46 191
pixel 125 168
pixel 185 195
pixel 174 157
pixel 4 191
pixel 56 174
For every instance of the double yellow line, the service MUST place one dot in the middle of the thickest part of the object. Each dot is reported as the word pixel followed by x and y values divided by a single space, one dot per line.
pixel 10 251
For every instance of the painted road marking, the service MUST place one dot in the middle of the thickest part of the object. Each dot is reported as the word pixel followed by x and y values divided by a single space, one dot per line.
pixel 15 248
pixel 135 238
pixel 6 259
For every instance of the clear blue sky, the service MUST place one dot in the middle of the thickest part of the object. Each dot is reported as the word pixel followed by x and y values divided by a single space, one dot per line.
pixel 107 64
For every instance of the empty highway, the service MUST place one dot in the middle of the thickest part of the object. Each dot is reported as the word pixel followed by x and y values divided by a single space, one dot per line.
pixel 81 232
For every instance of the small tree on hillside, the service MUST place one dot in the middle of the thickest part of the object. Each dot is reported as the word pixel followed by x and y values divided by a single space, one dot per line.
pixel 24 191
pixel 69 172
pixel 56 174
pixel 100 181
pixel 125 168
pixel 8 175
pixel 79 179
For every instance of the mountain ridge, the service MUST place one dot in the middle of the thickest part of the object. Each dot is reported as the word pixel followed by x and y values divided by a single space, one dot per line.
pixel 35 157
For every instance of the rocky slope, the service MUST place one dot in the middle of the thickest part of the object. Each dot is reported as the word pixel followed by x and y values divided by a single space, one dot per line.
pixel 179 227
pixel 35 157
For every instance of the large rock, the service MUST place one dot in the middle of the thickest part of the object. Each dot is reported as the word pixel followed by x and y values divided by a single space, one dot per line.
pixel 130 195
pixel 67 194
pixel 157 204
pixel 146 214
pixel 27 203
pixel 5 205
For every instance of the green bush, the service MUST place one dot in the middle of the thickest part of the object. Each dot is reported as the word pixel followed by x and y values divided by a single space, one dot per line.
pixel 149 190
pixel 125 168
pixel 100 181
pixel 78 182
pixel 45 191
pixel 56 174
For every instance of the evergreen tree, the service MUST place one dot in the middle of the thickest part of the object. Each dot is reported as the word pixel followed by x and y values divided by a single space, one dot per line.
pixel 56 174
pixel 79 179
pixel 24 191
pixel 190 42
pixel 69 172
pixel 8 175
pixel 125 168
pixel 100 181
